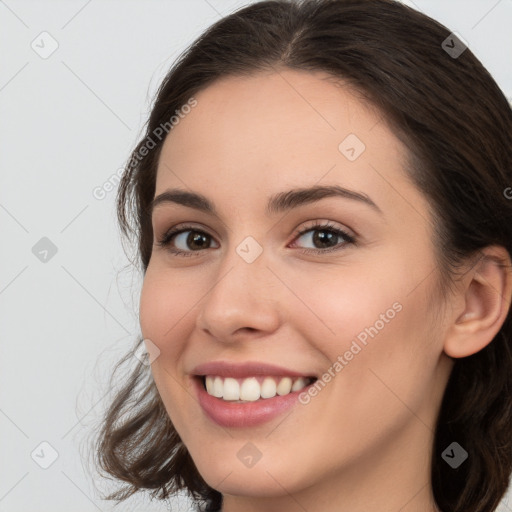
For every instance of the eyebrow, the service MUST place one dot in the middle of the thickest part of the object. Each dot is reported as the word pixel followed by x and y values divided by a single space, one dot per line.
pixel 280 202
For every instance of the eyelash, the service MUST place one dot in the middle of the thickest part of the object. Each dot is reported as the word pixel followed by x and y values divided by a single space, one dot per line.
pixel 168 236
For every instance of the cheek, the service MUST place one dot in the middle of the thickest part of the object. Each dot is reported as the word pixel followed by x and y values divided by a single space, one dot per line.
pixel 341 303
pixel 375 317
pixel 151 307
pixel 166 315
pixel 163 303
pixel 396 357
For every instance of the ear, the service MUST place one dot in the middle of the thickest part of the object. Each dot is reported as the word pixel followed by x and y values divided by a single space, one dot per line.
pixel 484 302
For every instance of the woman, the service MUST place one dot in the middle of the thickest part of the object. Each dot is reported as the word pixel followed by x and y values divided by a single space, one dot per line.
pixel 321 212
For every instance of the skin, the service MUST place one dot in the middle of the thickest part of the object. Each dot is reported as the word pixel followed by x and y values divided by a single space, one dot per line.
pixel 364 442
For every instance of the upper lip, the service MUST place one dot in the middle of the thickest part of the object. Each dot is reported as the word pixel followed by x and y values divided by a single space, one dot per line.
pixel 242 370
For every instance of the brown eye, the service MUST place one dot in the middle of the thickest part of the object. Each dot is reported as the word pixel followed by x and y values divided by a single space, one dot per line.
pixel 324 237
pixel 191 240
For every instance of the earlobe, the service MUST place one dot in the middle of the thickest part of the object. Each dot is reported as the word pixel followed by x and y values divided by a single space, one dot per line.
pixel 486 297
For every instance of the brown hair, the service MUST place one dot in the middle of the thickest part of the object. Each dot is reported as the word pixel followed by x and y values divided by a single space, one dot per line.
pixel 457 125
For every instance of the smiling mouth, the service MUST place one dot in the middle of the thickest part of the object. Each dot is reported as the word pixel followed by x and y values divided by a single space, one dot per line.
pixel 251 389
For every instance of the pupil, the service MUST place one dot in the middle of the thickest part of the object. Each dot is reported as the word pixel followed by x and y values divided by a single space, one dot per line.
pixel 322 238
pixel 192 238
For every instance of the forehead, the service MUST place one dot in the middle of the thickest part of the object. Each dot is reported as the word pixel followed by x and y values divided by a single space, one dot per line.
pixel 272 131
pixel 282 110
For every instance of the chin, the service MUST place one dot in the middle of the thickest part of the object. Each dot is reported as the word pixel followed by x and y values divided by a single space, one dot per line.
pixel 263 479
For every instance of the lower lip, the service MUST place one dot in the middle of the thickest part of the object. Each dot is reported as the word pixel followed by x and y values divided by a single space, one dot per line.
pixel 249 414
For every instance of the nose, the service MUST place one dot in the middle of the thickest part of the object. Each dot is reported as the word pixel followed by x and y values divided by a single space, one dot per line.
pixel 243 298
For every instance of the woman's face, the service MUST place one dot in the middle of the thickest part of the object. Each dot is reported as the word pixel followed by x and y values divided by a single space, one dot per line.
pixel 251 289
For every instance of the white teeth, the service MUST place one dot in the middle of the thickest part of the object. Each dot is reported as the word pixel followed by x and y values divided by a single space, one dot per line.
pixel 231 389
pixel 299 384
pixel 268 388
pixel 218 387
pixel 209 385
pixel 284 387
pixel 250 389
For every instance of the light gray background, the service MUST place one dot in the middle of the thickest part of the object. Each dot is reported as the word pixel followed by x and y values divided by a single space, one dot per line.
pixel 67 124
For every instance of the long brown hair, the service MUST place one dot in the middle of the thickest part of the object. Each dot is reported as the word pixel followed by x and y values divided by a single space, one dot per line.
pixel 457 125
